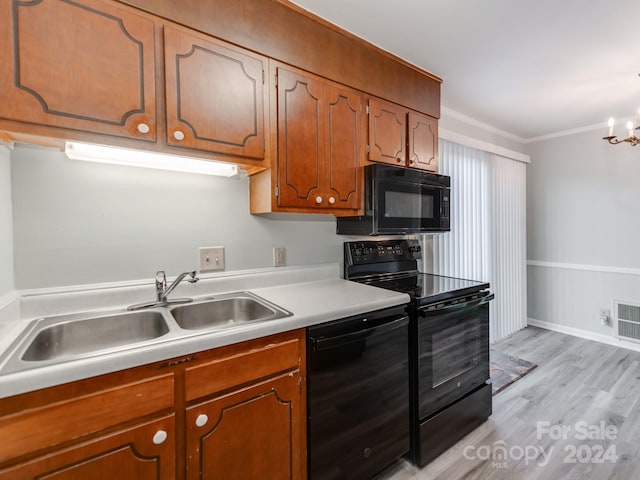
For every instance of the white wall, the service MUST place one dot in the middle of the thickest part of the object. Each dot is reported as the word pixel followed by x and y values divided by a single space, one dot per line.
pixel 80 223
pixel 6 224
pixel 583 229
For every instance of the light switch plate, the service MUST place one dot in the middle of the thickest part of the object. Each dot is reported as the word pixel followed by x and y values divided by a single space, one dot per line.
pixel 278 256
pixel 211 258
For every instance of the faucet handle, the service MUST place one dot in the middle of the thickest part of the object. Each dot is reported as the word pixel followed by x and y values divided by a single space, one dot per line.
pixel 161 280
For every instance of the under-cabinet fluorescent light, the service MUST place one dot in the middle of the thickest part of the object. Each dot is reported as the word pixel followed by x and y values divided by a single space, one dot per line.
pixel 144 159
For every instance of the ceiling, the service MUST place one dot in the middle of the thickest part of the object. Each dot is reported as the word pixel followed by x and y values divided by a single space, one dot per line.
pixel 527 67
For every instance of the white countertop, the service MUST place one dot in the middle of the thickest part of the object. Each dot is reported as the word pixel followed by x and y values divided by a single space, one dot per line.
pixel 313 294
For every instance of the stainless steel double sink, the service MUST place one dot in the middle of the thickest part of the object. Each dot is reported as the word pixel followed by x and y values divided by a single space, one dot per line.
pixel 58 339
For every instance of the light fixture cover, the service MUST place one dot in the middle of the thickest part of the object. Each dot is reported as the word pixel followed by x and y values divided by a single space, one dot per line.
pixel 144 159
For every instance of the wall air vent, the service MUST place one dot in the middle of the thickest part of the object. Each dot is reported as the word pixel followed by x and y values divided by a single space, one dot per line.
pixel 628 320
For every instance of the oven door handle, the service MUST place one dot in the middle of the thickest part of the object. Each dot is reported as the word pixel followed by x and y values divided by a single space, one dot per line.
pixel 459 306
pixel 336 341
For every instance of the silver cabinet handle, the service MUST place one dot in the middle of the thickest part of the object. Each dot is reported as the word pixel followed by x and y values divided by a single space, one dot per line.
pixel 178 135
pixel 143 128
pixel 160 437
pixel 318 199
pixel 201 420
pixel 332 200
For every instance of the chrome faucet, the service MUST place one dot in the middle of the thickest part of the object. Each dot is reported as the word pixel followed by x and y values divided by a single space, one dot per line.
pixel 162 291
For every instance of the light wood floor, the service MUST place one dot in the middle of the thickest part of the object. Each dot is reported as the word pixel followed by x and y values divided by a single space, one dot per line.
pixel 578 384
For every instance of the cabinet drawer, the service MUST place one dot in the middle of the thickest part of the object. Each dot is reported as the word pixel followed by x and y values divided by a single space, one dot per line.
pixel 241 366
pixel 41 427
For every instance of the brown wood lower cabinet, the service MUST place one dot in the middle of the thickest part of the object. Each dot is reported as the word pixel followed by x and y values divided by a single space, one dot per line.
pixel 248 433
pixel 142 452
pixel 235 412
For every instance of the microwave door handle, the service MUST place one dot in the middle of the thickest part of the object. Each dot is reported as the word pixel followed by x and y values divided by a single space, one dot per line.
pixel 460 306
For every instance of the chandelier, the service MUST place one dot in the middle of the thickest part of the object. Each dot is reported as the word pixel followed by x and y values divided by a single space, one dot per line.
pixel 612 139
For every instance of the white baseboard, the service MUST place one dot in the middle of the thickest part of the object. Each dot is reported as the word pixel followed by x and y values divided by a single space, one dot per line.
pixel 586 334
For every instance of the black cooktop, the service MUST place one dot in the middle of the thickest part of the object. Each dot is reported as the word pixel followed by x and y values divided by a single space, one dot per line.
pixel 392 264
pixel 426 288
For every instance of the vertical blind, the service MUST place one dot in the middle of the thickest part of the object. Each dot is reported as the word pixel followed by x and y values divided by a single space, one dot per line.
pixel 487 240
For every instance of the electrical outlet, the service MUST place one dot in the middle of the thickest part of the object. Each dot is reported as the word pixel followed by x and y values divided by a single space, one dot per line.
pixel 604 314
pixel 211 258
pixel 278 256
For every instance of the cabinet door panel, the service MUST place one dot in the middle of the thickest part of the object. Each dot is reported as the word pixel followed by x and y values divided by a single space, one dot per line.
pixel 344 147
pixel 423 142
pixel 387 127
pixel 126 454
pixel 215 95
pixel 300 140
pixel 83 415
pixel 250 433
pixel 85 65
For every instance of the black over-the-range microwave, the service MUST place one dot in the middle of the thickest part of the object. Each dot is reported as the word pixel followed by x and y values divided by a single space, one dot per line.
pixel 400 201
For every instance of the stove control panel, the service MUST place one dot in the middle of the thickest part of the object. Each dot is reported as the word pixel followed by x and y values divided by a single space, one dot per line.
pixel 377 251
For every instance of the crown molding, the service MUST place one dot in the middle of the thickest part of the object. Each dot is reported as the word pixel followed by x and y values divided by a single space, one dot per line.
pixel 477 123
pixel 449 112
pixel 482 145
pixel 573 131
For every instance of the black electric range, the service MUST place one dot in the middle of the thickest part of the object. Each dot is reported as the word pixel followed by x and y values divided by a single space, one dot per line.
pixel 392 264
pixel 450 389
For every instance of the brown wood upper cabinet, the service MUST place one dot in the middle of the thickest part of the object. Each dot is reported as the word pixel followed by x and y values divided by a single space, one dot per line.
pixel 215 95
pixel 422 142
pixel 399 136
pixel 85 65
pixel 320 142
pixel 387 132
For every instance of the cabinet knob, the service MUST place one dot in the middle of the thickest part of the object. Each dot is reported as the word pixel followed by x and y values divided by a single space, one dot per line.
pixel 143 128
pixel 399 160
pixel 201 420
pixel 332 200
pixel 160 437
pixel 318 199
pixel 178 135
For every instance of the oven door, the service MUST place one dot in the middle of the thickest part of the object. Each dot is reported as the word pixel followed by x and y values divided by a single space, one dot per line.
pixel 453 350
pixel 404 207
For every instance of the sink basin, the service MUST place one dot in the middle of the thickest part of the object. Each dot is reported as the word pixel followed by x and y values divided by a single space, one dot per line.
pixel 225 311
pixel 53 340
pixel 76 337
